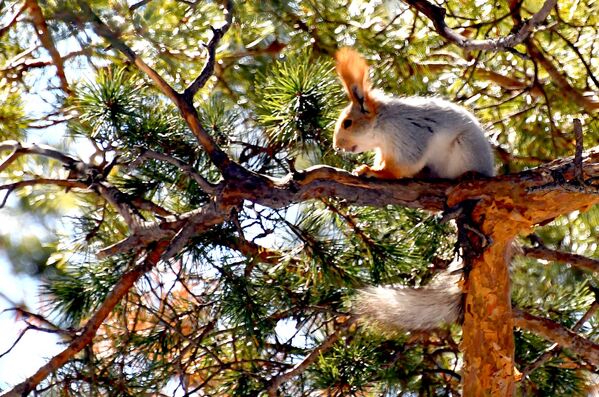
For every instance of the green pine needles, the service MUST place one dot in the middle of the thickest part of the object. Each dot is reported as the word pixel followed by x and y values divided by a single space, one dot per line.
pixel 298 101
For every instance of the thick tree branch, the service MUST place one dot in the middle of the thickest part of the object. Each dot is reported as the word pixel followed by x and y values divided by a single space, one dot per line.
pixel 579 261
pixel 437 16
pixel 555 332
pixel 208 70
pixel 41 29
pixel 517 191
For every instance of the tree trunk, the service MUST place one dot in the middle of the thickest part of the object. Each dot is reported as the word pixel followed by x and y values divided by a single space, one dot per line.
pixel 487 333
pixel 486 236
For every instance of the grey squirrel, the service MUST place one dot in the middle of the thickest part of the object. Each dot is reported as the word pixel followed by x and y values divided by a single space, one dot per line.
pixel 408 135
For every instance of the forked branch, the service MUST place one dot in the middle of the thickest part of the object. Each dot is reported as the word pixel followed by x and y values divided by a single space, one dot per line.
pixel 437 16
pixel 184 104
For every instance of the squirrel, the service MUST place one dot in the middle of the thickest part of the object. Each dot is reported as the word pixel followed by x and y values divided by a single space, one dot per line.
pixel 411 136
pixel 407 134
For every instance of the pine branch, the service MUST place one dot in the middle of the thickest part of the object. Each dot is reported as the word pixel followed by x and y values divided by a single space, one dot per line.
pixel 121 288
pixel 185 105
pixel 437 16
pixel 555 332
pixel 555 349
pixel 274 383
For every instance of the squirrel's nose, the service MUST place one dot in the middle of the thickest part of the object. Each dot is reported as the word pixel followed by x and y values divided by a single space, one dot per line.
pixel 338 144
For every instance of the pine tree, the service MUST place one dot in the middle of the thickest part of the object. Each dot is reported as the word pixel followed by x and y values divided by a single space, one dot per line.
pixel 207 246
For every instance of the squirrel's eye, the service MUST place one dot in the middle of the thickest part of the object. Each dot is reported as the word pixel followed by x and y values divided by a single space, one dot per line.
pixel 347 123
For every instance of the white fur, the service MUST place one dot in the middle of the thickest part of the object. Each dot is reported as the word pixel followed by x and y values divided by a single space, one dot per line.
pixel 417 132
pixel 411 309
pixel 435 133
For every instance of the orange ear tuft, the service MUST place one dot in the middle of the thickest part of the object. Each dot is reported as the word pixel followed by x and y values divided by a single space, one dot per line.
pixel 353 70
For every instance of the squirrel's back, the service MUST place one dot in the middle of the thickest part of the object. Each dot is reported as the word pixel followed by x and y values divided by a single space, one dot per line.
pixel 445 137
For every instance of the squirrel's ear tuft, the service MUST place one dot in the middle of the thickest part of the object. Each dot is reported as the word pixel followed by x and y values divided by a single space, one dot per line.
pixel 353 71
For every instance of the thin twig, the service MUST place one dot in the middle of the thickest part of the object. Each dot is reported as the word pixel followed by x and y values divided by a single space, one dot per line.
pixel 208 70
pixel 37 317
pixel 188 169
pixel 277 381
pixel 579 149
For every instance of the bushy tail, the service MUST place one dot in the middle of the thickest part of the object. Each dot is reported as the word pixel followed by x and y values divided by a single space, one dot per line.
pixel 394 308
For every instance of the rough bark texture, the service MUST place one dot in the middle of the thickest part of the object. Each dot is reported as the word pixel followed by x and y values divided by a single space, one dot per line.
pixel 487 336
pixel 501 214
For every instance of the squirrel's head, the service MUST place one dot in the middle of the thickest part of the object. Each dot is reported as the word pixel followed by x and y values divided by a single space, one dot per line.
pixel 354 126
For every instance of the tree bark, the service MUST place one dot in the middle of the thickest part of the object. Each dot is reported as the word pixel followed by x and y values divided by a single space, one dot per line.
pixel 487 333
pixel 486 234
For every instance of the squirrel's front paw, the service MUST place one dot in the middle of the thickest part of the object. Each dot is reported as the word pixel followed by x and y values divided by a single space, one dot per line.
pixel 364 170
